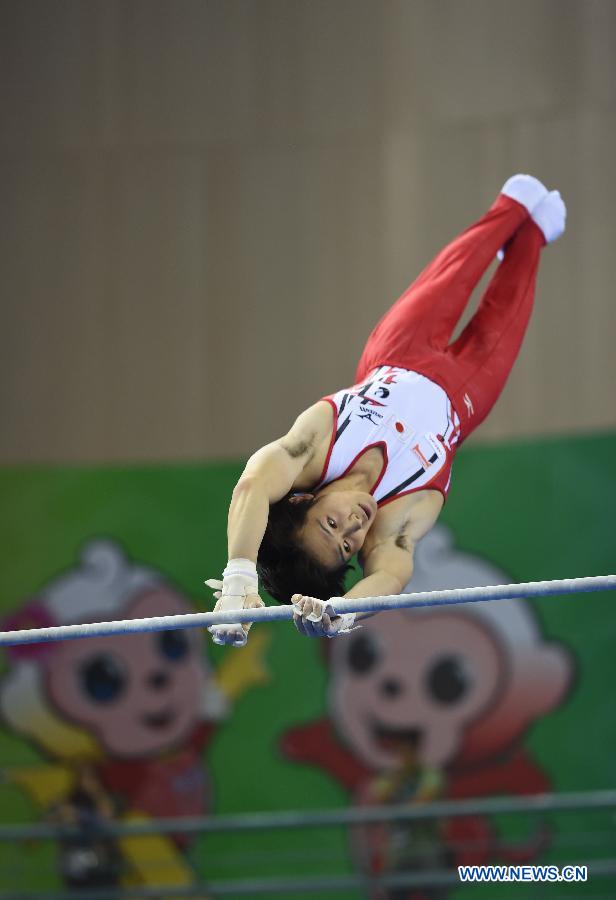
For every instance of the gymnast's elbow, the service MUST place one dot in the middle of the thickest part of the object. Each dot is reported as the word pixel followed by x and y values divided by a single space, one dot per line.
pixel 390 565
pixel 393 585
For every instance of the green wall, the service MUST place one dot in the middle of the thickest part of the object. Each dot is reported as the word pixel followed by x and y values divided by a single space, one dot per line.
pixel 536 510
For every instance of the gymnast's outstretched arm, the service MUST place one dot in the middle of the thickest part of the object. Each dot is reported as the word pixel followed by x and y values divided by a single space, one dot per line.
pixel 268 475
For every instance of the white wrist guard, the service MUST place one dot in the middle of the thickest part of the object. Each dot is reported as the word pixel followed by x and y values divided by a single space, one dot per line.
pixel 240 578
pixel 240 566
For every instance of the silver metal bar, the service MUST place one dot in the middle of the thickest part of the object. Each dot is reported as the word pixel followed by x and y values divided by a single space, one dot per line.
pixel 339 605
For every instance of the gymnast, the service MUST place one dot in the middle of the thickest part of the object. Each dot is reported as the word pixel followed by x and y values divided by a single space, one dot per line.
pixel 366 470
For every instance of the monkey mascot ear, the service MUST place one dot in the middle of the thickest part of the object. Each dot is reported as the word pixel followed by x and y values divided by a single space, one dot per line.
pixel 539 676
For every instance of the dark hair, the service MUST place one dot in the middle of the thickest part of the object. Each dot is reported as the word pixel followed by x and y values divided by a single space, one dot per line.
pixel 284 567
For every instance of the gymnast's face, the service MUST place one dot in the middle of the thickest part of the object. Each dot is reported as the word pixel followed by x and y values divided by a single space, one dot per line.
pixel 336 526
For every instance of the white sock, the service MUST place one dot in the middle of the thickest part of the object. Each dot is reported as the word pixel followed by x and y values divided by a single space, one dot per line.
pixel 551 215
pixel 526 189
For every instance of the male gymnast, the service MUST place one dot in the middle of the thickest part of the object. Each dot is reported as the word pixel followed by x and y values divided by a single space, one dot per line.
pixel 366 470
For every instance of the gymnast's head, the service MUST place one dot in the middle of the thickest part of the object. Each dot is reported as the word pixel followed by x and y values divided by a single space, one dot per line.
pixel 310 540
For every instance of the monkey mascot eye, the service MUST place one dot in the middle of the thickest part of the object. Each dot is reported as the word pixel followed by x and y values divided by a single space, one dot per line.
pixel 448 679
pixel 363 654
pixel 103 678
pixel 173 645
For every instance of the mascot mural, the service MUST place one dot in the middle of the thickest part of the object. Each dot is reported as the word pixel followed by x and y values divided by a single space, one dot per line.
pixel 436 703
pixel 123 720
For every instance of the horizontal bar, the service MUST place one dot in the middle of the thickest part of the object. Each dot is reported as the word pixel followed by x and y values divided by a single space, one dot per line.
pixel 443 809
pixel 339 605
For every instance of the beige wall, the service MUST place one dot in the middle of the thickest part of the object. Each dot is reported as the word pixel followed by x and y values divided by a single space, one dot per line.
pixel 211 203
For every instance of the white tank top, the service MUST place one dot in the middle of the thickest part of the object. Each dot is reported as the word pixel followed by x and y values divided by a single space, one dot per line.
pixel 405 414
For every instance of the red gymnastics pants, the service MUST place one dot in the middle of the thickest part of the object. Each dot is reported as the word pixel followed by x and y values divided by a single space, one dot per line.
pixel 416 331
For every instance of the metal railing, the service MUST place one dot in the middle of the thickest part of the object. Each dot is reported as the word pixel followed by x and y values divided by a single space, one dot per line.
pixel 539 804
pixel 368 815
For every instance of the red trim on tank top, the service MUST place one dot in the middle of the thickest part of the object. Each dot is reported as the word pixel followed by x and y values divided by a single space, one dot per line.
pixel 332 439
pixel 363 450
pixel 424 487
pixel 429 486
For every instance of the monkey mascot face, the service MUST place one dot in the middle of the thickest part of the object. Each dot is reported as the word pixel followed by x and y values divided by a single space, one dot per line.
pixel 459 684
pixel 414 682
pixel 441 685
pixel 138 694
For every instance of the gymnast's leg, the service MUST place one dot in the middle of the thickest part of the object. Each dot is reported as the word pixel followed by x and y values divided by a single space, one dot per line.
pixel 485 352
pixel 423 319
